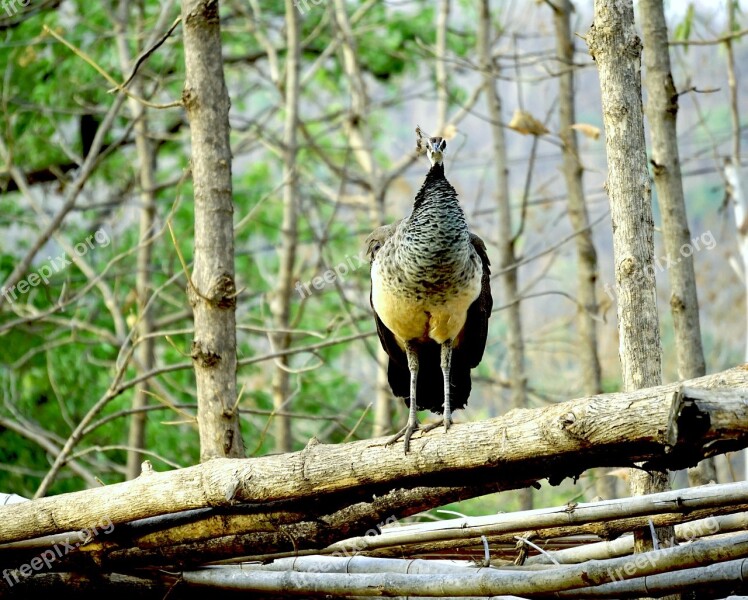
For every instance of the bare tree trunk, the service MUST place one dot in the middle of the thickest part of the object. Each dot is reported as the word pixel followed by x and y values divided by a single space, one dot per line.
pixel 280 304
pixel 147 168
pixel 662 112
pixel 732 83
pixel 572 167
pixel 514 341
pixel 212 289
pixel 734 188
pixel 732 169
pixel 357 138
pixel 586 255
pixel 616 49
pixel 359 98
pixel 733 178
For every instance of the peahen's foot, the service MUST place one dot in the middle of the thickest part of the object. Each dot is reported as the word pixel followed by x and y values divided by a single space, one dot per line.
pixel 405 433
pixel 447 422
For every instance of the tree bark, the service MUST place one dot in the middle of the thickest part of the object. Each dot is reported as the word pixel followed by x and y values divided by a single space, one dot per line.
pixel 280 304
pixel 616 48
pixel 711 523
pixel 362 577
pixel 212 288
pixel 338 575
pixel 668 426
pixel 662 112
pixel 586 255
pixel 733 168
pixel 251 531
pixel 147 169
pixel 514 342
pixel 732 83
pixel 607 518
pixel 196 542
pixel 573 172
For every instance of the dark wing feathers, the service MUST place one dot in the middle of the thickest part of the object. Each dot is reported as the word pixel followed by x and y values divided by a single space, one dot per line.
pixel 476 325
pixel 430 390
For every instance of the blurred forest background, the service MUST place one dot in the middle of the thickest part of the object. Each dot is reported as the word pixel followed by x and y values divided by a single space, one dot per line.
pixel 103 337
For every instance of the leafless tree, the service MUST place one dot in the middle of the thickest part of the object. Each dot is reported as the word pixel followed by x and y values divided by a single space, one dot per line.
pixel 616 48
pixel 573 170
pixel 146 154
pixel 573 175
pixel 281 301
pixel 506 239
pixel 662 111
pixel 212 288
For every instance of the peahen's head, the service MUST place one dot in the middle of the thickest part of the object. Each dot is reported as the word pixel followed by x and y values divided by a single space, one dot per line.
pixel 435 147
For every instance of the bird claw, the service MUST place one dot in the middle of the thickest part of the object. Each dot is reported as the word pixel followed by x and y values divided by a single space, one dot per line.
pixel 406 432
pixel 447 422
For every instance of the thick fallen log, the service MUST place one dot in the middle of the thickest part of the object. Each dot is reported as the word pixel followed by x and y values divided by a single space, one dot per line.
pixel 671 426
pixel 137 545
pixel 199 536
pixel 84 587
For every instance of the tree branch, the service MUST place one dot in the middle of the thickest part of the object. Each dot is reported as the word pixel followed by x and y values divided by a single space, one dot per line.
pixel 671 426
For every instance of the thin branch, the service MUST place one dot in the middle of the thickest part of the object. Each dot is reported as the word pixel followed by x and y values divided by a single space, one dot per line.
pixel 87 58
pixel 145 54
pixel 713 42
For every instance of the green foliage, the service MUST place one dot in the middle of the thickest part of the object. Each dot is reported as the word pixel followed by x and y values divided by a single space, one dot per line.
pixel 738 11
pixel 61 343
pixel 54 374
pixel 683 29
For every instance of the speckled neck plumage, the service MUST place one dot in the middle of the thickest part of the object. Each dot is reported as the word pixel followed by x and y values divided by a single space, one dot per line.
pixel 430 250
